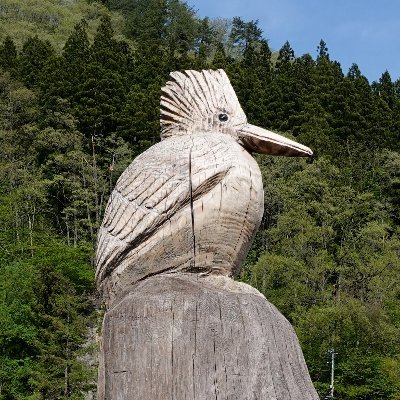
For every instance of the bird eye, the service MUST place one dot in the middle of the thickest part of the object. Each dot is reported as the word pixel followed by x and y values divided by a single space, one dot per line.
pixel 223 117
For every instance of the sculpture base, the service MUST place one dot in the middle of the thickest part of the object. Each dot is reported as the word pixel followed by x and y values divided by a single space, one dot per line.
pixel 180 336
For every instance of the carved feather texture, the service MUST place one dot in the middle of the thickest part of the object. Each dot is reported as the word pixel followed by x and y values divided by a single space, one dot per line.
pixel 192 102
pixel 178 199
pixel 153 189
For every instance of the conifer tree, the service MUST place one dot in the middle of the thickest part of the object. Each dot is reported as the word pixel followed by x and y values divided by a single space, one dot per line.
pixel 322 50
pixel 32 60
pixel 220 59
pixel 76 51
pixel 8 54
pixel 385 89
pixel 285 56
pixel 204 44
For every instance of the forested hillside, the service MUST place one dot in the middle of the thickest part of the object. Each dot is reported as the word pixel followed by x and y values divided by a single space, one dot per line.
pixel 78 103
pixel 52 20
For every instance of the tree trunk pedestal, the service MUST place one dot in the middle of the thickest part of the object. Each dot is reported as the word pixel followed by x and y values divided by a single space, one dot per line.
pixel 181 336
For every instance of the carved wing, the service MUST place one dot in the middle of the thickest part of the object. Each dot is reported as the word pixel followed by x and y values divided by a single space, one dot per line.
pixel 157 184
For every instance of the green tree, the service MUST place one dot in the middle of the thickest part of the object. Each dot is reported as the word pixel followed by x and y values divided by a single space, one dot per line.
pixel 322 50
pixel 8 54
pixel 32 60
pixel 285 56
pixel 385 89
pixel 44 317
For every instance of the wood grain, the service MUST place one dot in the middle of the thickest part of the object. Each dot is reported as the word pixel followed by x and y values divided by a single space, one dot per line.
pixel 179 336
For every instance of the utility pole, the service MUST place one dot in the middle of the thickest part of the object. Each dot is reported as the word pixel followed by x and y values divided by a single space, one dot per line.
pixel 331 394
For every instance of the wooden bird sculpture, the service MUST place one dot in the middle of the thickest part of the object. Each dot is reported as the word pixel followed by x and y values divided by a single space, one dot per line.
pixel 194 201
pixel 177 226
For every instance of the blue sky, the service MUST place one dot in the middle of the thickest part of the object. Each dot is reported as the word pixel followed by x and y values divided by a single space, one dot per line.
pixel 363 32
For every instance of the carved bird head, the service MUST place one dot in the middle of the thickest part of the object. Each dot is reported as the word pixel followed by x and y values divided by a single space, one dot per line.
pixel 200 102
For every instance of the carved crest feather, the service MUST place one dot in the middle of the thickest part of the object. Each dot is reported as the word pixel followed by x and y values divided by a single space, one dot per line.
pixel 191 101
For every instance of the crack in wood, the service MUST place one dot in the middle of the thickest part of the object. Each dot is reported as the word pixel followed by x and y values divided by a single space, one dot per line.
pixel 191 207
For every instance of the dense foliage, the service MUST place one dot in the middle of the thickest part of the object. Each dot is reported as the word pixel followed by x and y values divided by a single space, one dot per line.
pixel 328 251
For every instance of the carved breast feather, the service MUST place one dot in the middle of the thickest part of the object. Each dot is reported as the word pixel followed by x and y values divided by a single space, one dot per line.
pixel 188 203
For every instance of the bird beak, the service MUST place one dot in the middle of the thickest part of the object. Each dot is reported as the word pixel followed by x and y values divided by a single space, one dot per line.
pixel 263 141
